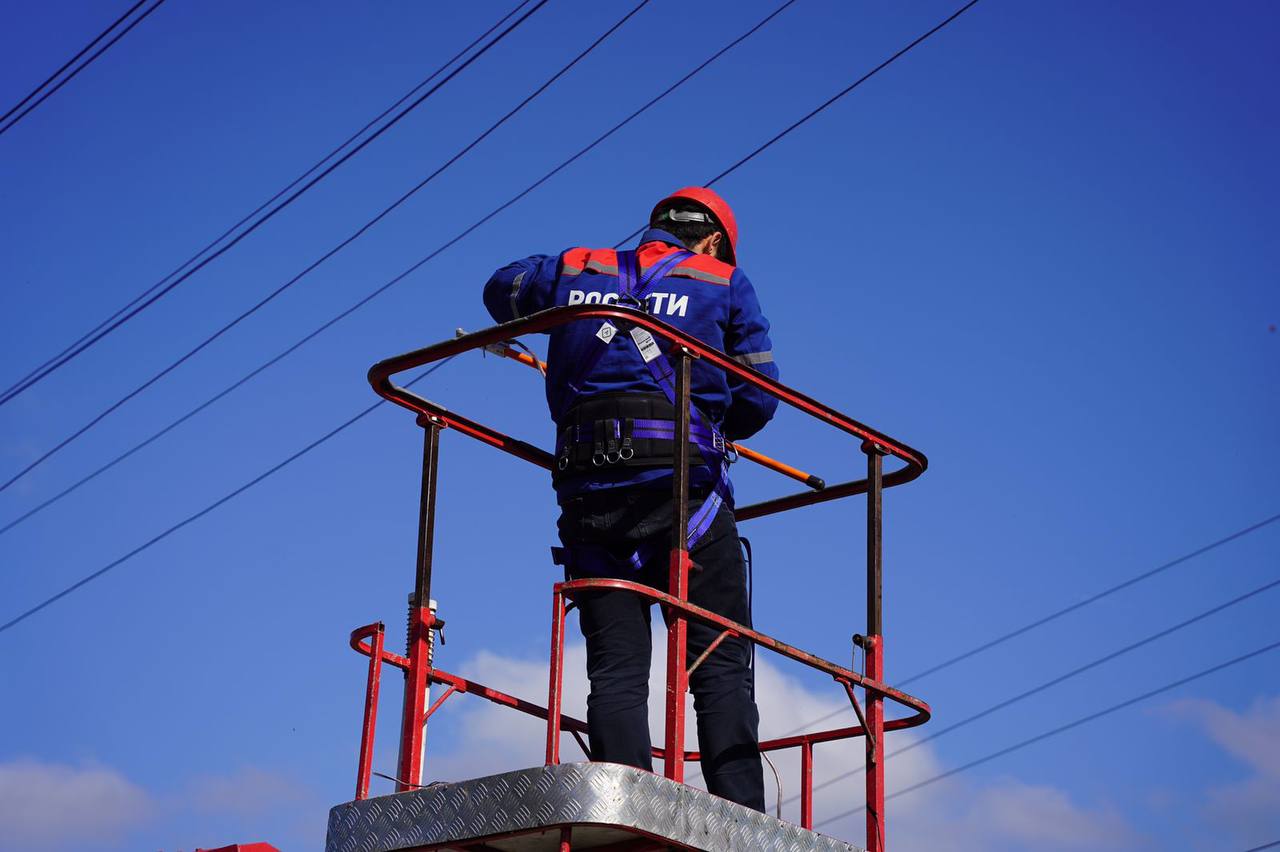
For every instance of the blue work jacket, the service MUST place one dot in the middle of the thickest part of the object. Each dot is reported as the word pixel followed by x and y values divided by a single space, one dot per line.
pixel 703 297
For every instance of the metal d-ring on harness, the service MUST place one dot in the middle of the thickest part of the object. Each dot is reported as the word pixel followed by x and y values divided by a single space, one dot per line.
pixel 618 435
pixel 611 438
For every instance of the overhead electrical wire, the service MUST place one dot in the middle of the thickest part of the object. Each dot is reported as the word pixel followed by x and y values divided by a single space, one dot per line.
pixel 7 123
pixel 260 221
pixel 329 254
pixel 320 163
pixel 110 566
pixel 1056 614
pixel 1092 599
pixel 582 152
pixel 845 91
pixel 58 596
pixel 1145 575
pixel 359 232
pixel 1061 729
pixel 1062 678
pixel 36 91
pixel 13 622
pixel 372 294
pixel 828 102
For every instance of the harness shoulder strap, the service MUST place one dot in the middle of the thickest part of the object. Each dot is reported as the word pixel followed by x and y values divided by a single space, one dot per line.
pixel 663 374
pixel 631 291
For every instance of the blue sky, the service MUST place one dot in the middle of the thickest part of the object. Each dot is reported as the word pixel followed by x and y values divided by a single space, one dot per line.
pixel 1040 248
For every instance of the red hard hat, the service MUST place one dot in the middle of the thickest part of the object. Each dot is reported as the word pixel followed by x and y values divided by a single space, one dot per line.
pixel 714 204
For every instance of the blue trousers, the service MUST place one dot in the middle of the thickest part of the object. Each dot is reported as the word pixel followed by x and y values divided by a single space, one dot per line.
pixel 616 627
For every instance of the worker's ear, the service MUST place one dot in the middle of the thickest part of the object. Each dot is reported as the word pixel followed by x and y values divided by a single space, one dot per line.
pixel 712 244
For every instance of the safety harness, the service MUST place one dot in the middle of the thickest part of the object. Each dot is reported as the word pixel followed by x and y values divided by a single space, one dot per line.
pixel 621 429
pixel 590 441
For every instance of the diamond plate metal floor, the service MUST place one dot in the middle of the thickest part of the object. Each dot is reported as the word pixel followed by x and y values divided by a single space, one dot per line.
pixel 523 810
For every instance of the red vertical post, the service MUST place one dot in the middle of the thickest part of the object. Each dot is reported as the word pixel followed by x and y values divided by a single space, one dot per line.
pixel 874 649
pixel 875 749
pixel 678 576
pixel 364 767
pixel 421 620
pixel 566 839
pixel 555 691
pixel 806 785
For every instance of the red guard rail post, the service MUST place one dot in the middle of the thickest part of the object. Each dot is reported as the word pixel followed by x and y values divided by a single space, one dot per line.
pixel 678 576
pixel 873 648
pixel 378 655
pixel 875 445
pixel 421 619
pixel 364 767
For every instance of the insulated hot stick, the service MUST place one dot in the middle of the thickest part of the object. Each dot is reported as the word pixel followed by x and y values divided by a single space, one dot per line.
pixel 506 350
pixel 817 483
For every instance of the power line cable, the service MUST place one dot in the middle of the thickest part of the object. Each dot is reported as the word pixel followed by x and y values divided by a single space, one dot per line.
pixel 846 90
pixel 507 204
pixel 214 505
pixel 117 22
pixel 315 264
pixel 337 150
pixel 1053 616
pixel 386 286
pixel 1079 670
pixel 831 100
pixel 152 299
pixel 4 128
pixel 1061 729
pixel 1092 599
pixel 1270 845
pixel 916 42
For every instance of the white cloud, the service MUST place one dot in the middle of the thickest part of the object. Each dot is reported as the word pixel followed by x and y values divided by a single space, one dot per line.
pixel 1011 814
pixel 247 792
pixel 1252 737
pixel 495 739
pixel 1247 809
pixel 246 804
pixel 1008 815
pixel 52 806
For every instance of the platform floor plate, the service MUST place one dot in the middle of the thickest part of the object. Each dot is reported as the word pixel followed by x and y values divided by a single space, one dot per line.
pixel 610 802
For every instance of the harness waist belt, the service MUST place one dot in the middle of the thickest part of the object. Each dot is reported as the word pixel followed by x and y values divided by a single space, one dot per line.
pixel 626 429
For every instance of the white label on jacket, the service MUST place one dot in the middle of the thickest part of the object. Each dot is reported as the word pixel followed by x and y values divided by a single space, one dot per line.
pixel 647 345
pixel 606 332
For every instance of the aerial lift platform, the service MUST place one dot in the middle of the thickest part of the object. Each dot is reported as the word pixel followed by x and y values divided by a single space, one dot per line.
pixel 601 806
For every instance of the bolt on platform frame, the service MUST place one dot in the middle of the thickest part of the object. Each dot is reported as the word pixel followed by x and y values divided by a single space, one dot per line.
pixel 417 665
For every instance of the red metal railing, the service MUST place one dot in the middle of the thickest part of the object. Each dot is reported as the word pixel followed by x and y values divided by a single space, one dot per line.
pixel 419 672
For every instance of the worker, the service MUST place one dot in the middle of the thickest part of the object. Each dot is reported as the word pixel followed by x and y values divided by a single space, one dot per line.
pixel 611 396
